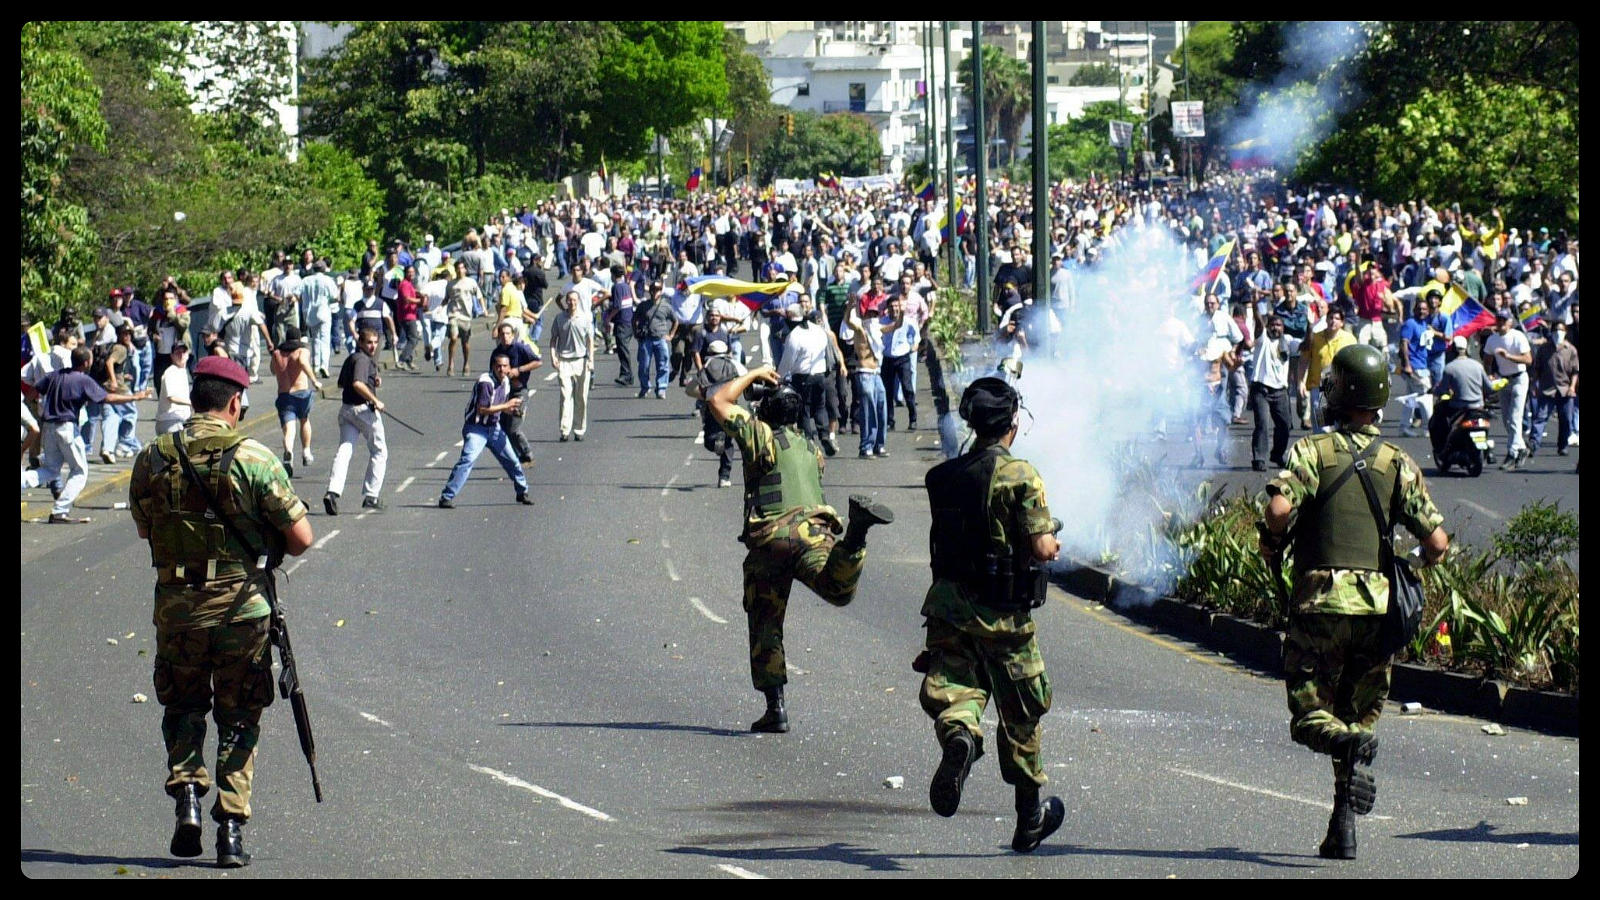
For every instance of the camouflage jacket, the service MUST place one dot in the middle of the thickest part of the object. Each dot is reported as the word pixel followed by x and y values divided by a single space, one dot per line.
pixel 760 454
pixel 261 492
pixel 1017 512
pixel 1351 592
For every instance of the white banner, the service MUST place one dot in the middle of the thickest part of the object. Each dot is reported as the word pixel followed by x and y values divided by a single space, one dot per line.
pixel 1121 134
pixel 1188 118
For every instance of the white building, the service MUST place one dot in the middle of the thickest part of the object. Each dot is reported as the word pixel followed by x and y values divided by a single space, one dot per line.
pixel 212 86
pixel 881 78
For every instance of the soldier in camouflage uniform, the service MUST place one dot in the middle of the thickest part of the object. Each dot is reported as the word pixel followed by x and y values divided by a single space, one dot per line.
pixel 991 530
pixel 1337 676
pixel 211 613
pixel 788 526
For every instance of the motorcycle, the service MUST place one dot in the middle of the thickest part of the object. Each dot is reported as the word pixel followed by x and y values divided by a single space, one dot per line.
pixel 1468 443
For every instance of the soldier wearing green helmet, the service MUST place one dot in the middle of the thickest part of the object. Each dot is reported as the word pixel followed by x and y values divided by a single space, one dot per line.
pixel 1336 673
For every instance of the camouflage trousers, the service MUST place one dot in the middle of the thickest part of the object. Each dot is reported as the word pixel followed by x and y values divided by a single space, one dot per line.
pixel 226 670
pixel 808 553
pixel 966 670
pixel 1336 678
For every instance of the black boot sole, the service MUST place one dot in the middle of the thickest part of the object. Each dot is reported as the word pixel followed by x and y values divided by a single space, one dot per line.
pixel 186 840
pixel 1028 840
pixel 1332 848
pixel 872 510
pixel 230 861
pixel 944 792
pixel 1363 786
pixel 771 724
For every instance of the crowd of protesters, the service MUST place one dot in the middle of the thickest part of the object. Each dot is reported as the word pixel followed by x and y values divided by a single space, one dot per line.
pixel 1307 272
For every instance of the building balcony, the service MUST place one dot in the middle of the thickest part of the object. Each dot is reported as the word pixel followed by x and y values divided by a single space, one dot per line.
pixel 861 107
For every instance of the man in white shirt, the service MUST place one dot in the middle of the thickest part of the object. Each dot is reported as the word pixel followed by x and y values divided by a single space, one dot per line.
pixel 429 252
pixel 1271 367
pixel 1511 354
pixel 805 364
pixel 173 410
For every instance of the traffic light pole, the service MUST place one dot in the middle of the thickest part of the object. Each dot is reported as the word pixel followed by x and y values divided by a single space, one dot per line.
pixel 981 190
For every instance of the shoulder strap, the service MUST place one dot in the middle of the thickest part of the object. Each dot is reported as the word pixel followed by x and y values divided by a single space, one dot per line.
pixel 1357 465
pixel 224 462
pixel 1385 523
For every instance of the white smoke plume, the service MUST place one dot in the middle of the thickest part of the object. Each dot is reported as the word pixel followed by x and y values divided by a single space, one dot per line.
pixel 1120 374
pixel 1299 107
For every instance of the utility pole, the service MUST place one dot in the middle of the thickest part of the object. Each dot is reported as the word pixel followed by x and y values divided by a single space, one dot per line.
pixel 930 107
pixel 981 186
pixel 1149 100
pixel 950 246
pixel 1041 177
pixel 1188 148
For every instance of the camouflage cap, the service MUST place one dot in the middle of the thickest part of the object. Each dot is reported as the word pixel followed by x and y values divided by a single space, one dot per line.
pixel 223 368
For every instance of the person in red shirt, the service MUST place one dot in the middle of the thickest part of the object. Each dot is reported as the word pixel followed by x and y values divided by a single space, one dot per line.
pixel 409 321
pixel 1371 293
pixel 873 299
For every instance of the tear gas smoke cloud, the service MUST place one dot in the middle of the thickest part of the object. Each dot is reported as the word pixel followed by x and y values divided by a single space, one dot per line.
pixel 1122 373
pixel 1299 107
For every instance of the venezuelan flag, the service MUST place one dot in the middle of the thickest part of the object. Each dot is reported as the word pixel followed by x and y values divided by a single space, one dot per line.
pixel 694 179
pixel 1464 314
pixel 926 191
pixel 1280 237
pixel 752 294
pixel 944 221
pixel 1532 317
pixel 827 180
pixel 1213 270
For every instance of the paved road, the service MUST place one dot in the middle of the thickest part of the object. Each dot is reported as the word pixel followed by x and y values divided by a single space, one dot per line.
pixel 563 691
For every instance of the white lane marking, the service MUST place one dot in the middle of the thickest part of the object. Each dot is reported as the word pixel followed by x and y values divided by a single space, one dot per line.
pixel 374 719
pixel 360 517
pixel 297 564
pixel 440 457
pixel 672 571
pixel 1483 509
pixel 699 436
pixel 704 611
pixel 688 462
pixel 1254 790
pixel 325 539
pixel 737 872
pixel 667 488
pixel 516 782
pixel 405 484
pixel 550 377
pixel 458 444
pixel 665 545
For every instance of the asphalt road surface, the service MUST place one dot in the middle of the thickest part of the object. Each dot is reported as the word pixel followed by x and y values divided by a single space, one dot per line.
pixel 564 691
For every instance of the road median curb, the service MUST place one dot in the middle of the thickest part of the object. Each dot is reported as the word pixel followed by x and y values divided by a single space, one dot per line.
pixel 1261 646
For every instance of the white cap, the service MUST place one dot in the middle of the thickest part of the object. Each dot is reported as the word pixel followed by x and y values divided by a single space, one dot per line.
pixel 1459 342
pixel 427 239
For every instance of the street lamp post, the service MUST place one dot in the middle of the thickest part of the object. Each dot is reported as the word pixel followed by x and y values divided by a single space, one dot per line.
pixel 950 157
pixel 981 185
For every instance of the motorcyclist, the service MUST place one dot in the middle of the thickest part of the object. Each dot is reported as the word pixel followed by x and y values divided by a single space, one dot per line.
pixel 1465 386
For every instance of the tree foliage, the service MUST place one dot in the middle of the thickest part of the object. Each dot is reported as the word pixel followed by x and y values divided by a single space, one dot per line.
pixel 1095 75
pixel 1082 144
pixel 60 110
pixel 841 143
pixel 1007 95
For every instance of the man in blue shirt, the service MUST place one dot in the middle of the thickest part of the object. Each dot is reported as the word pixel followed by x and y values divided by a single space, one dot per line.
pixel 62 396
pixel 491 398
pixel 899 356
pixel 1422 342
pixel 524 358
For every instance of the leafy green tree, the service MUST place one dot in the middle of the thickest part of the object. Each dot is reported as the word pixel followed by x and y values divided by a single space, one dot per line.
pixel 656 75
pixel 1095 75
pixel 843 143
pixel 1213 79
pixel 354 203
pixel 59 110
pixel 1007 95
pixel 242 69
pixel 1082 144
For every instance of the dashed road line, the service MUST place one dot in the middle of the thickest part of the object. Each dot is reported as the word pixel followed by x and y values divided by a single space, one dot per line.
pixel 375 720
pixel 458 443
pixel 405 484
pixel 1482 509
pixel 325 539
pixel 548 794
pixel 705 611
pixel 1254 790
pixel 672 571
pixel 550 377
pixel 738 872
pixel 440 457
pixel 667 488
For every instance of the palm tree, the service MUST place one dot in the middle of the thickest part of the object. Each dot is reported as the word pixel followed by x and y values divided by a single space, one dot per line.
pixel 1007 92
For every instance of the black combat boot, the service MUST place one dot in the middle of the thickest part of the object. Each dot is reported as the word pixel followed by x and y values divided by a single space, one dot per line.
pixel 865 512
pixel 230 845
pixel 944 793
pixel 186 836
pixel 1035 821
pixel 1353 753
pixel 1341 840
pixel 776 719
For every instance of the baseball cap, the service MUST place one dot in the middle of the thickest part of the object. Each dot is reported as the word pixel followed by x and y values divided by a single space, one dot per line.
pixel 427 239
pixel 1459 342
pixel 223 368
pixel 116 292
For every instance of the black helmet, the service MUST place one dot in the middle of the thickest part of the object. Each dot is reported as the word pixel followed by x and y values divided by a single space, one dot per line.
pixel 1358 379
pixel 990 406
pixel 777 405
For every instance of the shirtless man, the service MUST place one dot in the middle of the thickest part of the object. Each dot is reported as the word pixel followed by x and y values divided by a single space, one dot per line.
pixel 292 365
